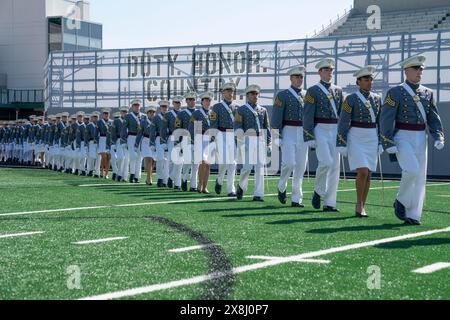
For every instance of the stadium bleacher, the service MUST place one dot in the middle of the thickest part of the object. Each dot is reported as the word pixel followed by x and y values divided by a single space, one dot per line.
pixel 396 21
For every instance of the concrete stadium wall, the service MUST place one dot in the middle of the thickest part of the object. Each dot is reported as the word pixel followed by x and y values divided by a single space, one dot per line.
pixel 360 6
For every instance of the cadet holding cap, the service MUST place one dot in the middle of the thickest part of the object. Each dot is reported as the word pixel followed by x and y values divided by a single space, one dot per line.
pixel 222 119
pixel 287 117
pixel 320 118
pixel 408 110
pixel 358 136
pixel 253 121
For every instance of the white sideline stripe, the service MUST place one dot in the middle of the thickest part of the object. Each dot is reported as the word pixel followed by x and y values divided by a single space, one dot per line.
pixel 20 234
pixel 256 266
pixel 180 250
pixel 319 261
pixel 433 268
pixel 100 240
pixel 444 196
pixel 173 202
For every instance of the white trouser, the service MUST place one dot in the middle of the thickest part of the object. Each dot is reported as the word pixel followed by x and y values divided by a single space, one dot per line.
pixel 327 173
pixel 226 159
pixel 123 160
pixel 114 162
pixel 177 163
pixel 294 159
pixel 190 170
pixel 162 163
pixel 412 157
pixel 253 154
pixel 92 156
pixel 134 158
pixel 82 155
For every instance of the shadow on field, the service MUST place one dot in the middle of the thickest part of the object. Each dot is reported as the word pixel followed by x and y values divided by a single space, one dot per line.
pixel 414 243
pixel 291 221
pixel 357 228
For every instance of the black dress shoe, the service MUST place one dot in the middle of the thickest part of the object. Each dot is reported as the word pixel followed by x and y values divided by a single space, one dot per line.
pixel 399 210
pixel 232 195
pixel 177 188
pixel 114 176
pixel 164 185
pixel 184 186
pixel 96 176
pixel 258 199
pixel 131 178
pixel 218 188
pixel 193 190
pixel 412 222
pixel 316 201
pixel 282 197
pixel 170 183
pixel 148 183
pixel 76 172
pixel 159 184
pixel 119 178
pixel 90 174
pixel 297 205
pixel 136 180
pixel 239 193
pixel 83 174
pixel 330 209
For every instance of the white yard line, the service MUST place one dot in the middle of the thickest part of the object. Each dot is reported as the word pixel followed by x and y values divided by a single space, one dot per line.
pixel 100 240
pixel 4 236
pixel 202 200
pixel 180 250
pixel 142 183
pixel 433 268
pixel 319 261
pixel 257 266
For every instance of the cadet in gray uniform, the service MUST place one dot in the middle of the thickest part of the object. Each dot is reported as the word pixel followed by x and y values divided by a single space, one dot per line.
pixel 81 144
pixel 182 122
pixel 201 121
pixel 104 128
pixel 407 111
pixel 118 160
pixel 91 138
pixel 160 140
pixel 147 149
pixel 252 120
pixel 130 128
pixel 320 119
pixel 287 118
pixel 174 180
pixel 358 137
pixel 222 119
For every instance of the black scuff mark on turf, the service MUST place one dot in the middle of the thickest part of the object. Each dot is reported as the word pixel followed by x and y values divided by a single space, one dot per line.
pixel 221 285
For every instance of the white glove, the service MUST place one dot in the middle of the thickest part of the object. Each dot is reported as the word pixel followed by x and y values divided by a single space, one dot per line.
pixel 164 147
pixel 124 146
pixel 343 151
pixel 380 150
pixel 392 150
pixel 311 144
pixel 439 145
